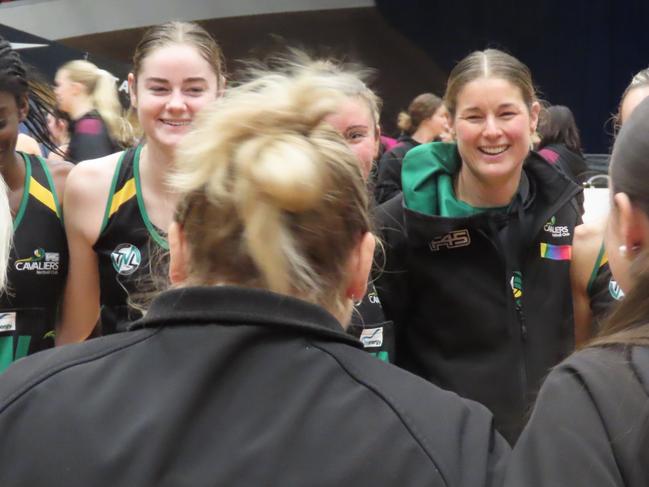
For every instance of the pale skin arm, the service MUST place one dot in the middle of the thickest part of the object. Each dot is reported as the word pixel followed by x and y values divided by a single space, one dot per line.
pixel 586 246
pixel 84 203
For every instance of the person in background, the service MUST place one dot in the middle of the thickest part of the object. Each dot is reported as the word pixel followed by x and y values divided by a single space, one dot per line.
pixel 425 121
pixel 590 424
pixel 38 261
pixel 242 374
pixel 88 95
pixel 560 142
pixel 118 208
pixel 58 125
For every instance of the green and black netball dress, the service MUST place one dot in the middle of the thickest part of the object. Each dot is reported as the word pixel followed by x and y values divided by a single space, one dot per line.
pixel 37 268
pixel 126 241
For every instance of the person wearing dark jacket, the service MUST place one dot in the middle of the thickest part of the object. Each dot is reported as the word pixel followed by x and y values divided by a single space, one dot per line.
pixel 590 424
pixel 426 120
pixel 478 248
pixel 243 373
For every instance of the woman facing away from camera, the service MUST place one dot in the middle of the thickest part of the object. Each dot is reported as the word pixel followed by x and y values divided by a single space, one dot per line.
pixel 242 374
pixel 590 424
pixel 117 208
pixel 88 95
pixel 426 120
pixel 479 248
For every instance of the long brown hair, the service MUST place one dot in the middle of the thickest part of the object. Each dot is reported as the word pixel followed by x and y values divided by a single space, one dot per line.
pixel 629 173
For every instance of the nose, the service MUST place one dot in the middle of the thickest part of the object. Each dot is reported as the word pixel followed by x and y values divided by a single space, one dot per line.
pixel 491 127
pixel 176 101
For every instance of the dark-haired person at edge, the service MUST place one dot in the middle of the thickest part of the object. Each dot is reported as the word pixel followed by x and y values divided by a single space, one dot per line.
pixel 590 424
pixel 242 374
pixel 39 254
pixel 426 120
pixel 595 291
pixel 479 247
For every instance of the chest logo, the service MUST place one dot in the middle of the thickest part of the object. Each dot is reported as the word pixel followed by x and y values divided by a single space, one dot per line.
pixel 452 240
pixel 126 259
pixel 372 337
pixel 41 263
pixel 615 290
pixel 555 230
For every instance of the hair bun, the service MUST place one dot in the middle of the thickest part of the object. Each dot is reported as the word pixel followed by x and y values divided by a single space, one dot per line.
pixel 283 169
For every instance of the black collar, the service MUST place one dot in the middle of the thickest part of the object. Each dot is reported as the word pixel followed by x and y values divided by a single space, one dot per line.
pixel 230 305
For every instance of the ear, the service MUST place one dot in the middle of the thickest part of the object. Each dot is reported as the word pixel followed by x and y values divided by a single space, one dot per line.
pixel 633 224
pixel 535 110
pixel 178 254
pixel 359 265
pixel 23 108
pixel 132 91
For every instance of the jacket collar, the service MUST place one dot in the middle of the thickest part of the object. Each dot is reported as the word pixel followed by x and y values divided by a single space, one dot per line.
pixel 231 305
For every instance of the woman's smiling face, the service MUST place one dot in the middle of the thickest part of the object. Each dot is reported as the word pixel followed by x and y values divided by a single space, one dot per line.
pixel 493 127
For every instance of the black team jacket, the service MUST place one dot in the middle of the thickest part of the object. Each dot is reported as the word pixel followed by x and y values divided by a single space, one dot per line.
pixel 237 387
pixel 482 304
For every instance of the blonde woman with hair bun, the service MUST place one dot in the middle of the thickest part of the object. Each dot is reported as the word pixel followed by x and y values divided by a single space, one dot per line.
pixel 242 374
pixel 89 96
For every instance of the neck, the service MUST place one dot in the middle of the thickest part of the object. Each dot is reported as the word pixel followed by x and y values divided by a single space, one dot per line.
pixel 81 107
pixel 423 135
pixel 155 165
pixel 483 194
pixel 13 171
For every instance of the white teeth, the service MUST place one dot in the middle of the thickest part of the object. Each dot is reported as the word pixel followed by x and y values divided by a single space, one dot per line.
pixel 494 150
pixel 176 124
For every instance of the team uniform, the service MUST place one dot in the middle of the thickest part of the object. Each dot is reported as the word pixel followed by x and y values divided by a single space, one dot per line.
pixel 388 183
pixel 126 244
pixel 37 268
pixel 480 299
pixel 603 291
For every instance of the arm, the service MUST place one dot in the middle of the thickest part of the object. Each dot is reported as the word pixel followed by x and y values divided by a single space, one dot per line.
pixel 86 194
pixel 586 246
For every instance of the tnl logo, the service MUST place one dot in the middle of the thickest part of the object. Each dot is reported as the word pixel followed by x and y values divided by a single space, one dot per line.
pixel 452 240
pixel 126 259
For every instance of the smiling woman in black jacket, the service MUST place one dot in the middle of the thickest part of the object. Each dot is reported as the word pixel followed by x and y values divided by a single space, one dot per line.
pixel 243 374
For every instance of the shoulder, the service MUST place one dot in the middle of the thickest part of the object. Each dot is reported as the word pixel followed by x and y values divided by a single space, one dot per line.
pixel 456 434
pixel 59 169
pixel 88 176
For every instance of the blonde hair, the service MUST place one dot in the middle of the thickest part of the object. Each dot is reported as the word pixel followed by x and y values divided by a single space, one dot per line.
pixel 6 233
pixel 272 197
pixel 100 87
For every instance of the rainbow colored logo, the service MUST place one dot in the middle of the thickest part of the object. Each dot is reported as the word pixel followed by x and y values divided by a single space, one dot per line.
pixel 556 252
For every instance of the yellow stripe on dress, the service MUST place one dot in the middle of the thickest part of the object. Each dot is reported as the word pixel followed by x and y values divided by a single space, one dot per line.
pixel 122 196
pixel 42 194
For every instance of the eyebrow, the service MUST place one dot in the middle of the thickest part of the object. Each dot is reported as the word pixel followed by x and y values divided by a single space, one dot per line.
pixel 500 107
pixel 186 80
pixel 357 126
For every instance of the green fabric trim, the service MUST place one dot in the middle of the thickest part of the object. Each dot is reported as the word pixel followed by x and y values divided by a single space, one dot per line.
pixel 159 239
pixel 427 179
pixel 50 181
pixel 26 187
pixel 111 194
pixel 598 264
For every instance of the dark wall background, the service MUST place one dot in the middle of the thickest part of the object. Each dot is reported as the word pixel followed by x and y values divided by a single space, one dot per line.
pixel 582 53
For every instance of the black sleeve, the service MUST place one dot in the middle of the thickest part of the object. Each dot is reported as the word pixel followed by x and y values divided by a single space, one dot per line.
pixel 388 183
pixel 565 441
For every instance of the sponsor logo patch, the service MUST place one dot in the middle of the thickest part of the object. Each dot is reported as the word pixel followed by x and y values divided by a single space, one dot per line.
pixel 126 258
pixel 615 290
pixel 8 321
pixel 41 263
pixel 556 230
pixel 372 337
pixel 556 252
pixel 452 240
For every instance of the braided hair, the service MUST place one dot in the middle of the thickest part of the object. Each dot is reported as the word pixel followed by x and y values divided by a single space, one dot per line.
pixel 21 81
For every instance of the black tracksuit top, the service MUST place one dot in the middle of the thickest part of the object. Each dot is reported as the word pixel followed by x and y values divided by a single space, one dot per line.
pixel 447 285
pixel 233 386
